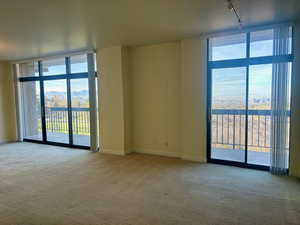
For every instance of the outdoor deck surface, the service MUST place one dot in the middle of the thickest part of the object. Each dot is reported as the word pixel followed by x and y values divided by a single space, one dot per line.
pixel 83 140
pixel 258 158
pixel 254 157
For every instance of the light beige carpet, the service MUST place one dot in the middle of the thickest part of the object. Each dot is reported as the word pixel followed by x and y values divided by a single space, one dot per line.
pixel 46 185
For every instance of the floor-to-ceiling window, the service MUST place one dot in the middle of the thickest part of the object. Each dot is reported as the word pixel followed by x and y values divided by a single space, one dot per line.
pixel 55 100
pixel 240 79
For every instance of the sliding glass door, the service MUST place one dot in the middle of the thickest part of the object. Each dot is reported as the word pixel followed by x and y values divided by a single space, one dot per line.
pixel 241 97
pixel 31 98
pixel 80 111
pixel 56 111
pixel 55 96
pixel 259 109
pixel 228 113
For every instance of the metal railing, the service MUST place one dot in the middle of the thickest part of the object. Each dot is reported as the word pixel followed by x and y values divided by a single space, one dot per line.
pixel 57 120
pixel 228 129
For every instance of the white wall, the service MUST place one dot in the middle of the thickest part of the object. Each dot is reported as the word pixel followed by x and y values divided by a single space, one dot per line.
pixel 295 120
pixel 193 99
pixel 7 105
pixel 111 101
pixel 127 98
pixel 157 104
pixel 155 77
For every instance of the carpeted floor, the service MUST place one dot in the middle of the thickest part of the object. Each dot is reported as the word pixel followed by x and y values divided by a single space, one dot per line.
pixel 46 185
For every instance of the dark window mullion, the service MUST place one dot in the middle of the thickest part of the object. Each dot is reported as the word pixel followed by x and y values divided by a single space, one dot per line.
pixel 248 46
pixel 69 101
pixel 209 104
pixel 55 77
pixel 247 98
pixel 43 107
pixel 250 61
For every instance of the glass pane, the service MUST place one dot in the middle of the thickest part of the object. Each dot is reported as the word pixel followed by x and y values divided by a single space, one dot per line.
pixel 95 62
pixel 261 43
pixel 290 40
pixel 227 47
pixel 228 114
pixel 290 69
pixel 31 101
pixel 259 119
pixel 79 64
pixel 80 112
pixel 29 69
pixel 259 115
pixel 290 65
pixel 56 66
pixel 56 111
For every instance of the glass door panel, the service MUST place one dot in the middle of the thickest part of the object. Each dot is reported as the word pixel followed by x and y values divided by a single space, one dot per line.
pixel 31 101
pixel 228 114
pixel 259 114
pixel 80 111
pixel 56 111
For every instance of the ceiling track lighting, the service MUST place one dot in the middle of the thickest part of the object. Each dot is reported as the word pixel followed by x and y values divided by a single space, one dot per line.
pixel 234 10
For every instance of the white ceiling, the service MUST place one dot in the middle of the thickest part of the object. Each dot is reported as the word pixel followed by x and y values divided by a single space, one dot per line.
pixel 31 28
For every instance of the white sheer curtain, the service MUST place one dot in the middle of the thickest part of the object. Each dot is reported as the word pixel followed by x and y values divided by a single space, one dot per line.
pixel 280 110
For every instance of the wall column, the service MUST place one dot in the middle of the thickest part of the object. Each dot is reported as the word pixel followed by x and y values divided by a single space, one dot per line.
pixel 295 120
pixel 193 100
pixel 8 131
pixel 113 96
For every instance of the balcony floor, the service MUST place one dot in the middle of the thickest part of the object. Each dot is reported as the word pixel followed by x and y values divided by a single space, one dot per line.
pixel 82 140
pixel 238 155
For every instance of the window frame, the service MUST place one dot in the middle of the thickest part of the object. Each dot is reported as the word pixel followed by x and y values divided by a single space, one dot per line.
pixel 68 76
pixel 240 62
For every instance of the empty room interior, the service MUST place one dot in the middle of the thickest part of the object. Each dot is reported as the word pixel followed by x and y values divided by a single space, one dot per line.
pixel 150 112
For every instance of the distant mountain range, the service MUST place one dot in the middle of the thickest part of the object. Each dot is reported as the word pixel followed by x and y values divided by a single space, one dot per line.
pixel 82 93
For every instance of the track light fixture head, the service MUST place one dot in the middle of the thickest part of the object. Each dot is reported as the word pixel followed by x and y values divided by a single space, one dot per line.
pixel 230 5
pixel 233 9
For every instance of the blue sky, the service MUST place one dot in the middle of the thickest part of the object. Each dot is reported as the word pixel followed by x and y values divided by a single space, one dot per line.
pixel 230 83
pixel 238 51
pixel 60 85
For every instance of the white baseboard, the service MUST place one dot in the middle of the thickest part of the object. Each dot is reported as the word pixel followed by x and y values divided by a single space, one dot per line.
pixel 3 142
pixel 161 153
pixel 156 152
pixel 112 151
pixel 142 151
pixel 192 158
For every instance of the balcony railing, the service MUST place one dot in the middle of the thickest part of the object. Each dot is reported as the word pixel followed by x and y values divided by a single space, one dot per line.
pixel 228 129
pixel 57 120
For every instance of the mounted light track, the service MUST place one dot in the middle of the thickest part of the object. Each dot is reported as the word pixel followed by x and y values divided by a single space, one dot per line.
pixel 234 10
